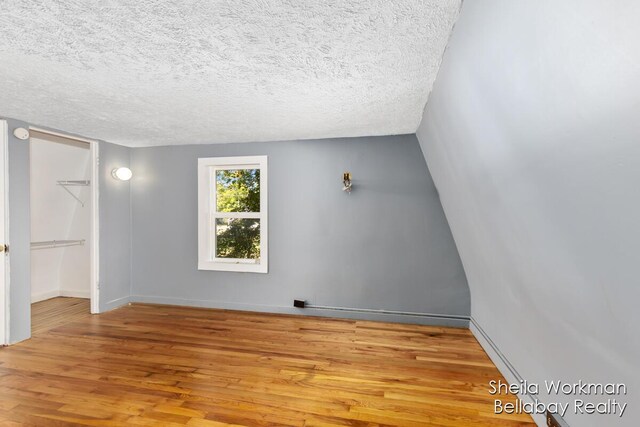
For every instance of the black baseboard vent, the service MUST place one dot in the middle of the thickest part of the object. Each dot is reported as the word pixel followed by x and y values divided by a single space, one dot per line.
pixel 555 420
pixel 298 303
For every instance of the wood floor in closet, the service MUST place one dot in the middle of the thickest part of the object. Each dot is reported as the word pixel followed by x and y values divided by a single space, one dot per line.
pixel 171 366
pixel 54 312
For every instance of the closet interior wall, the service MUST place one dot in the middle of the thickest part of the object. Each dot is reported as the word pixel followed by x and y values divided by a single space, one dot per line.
pixel 61 214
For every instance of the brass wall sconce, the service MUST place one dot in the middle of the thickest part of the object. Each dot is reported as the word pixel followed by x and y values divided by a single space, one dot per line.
pixel 346 182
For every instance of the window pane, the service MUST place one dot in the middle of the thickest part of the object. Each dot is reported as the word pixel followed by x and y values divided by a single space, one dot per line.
pixel 238 238
pixel 238 190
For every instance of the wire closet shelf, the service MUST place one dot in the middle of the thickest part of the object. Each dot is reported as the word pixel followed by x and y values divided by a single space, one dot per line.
pixel 50 244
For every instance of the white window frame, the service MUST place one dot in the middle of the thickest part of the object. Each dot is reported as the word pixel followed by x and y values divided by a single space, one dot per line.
pixel 207 214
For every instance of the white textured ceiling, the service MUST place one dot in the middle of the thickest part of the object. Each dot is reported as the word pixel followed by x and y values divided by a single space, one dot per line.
pixel 141 72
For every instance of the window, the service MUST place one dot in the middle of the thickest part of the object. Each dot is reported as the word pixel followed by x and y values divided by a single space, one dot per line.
pixel 232 214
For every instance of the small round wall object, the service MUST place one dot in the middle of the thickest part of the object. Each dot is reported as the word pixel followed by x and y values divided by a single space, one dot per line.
pixel 122 174
pixel 21 133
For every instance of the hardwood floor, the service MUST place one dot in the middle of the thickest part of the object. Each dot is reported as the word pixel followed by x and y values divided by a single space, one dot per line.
pixel 54 312
pixel 170 366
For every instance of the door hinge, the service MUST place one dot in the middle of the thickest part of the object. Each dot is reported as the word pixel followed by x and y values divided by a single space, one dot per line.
pixel 4 248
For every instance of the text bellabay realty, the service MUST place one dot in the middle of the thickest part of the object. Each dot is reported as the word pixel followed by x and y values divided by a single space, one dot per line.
pixel 610 406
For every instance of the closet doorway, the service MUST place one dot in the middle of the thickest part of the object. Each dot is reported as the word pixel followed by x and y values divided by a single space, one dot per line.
pixel 63 229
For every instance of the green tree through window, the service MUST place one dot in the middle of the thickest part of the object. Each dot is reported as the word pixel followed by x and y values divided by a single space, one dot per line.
pixel 238 190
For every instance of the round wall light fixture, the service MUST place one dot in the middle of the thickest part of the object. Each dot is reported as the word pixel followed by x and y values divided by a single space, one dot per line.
pixel 122 174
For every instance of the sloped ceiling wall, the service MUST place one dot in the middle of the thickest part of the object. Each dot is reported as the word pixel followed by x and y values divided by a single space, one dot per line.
pixel 532 135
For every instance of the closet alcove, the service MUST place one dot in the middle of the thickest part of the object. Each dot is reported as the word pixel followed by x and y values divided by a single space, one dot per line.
pixel 60 218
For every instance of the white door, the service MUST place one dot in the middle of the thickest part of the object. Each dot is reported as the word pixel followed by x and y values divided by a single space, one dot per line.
pixel 4 256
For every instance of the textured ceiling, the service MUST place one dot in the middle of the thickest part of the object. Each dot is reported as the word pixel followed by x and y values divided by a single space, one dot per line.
pixel 141 72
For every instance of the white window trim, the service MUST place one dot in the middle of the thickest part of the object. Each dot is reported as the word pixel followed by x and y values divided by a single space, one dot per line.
pixel 206 211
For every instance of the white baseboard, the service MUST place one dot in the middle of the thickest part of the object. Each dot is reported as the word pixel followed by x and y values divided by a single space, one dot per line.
pixel 44 295
pixel 59 293
pixel 75 294
pixel 504 366
pixel 344 314
pixel 115 303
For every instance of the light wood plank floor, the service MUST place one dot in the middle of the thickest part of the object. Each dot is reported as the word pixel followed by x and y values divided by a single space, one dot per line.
pixel 170 366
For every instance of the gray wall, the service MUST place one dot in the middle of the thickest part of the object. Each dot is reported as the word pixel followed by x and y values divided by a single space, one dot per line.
pixel 115 232
pixel 19 236
pixel 115 228
pixel 532 135
pixel 386 245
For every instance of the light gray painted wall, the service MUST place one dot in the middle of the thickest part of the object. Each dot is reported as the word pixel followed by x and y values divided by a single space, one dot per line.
pixel 115 228
pixel 115 231
pixel 532 135
pixel 19 236
pixel 386 245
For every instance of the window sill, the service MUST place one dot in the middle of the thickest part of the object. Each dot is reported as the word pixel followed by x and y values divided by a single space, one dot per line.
pixel 241 267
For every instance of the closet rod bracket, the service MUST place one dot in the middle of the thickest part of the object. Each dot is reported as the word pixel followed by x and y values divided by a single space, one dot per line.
pixel 66 184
